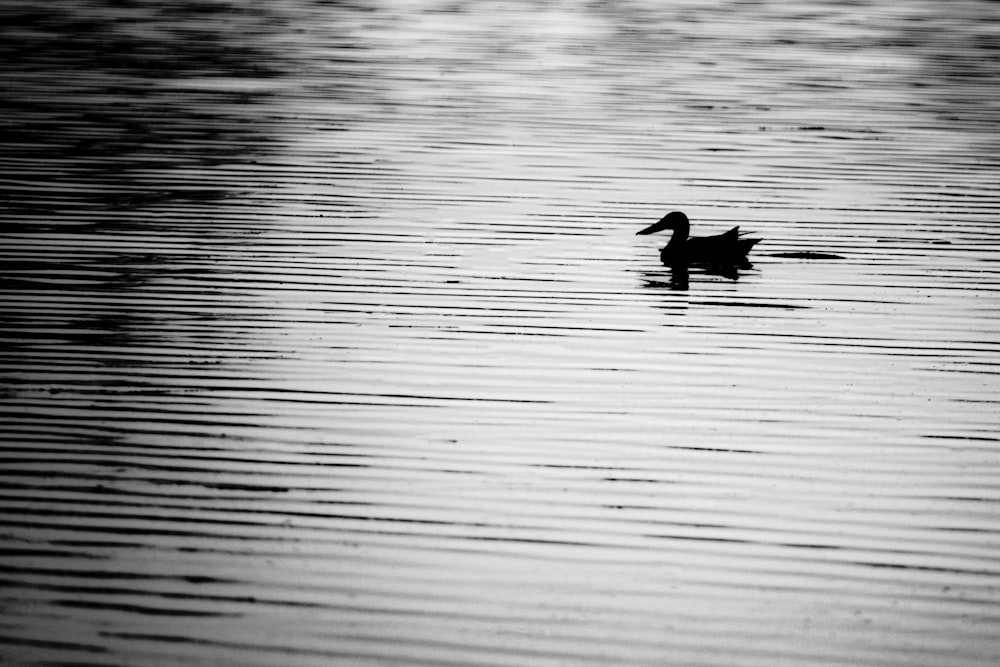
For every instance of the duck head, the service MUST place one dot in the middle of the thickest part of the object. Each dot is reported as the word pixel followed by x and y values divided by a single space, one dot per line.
pixel 675 220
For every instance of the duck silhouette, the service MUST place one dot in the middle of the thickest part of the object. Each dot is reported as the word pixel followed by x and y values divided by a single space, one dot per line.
pixel 728 249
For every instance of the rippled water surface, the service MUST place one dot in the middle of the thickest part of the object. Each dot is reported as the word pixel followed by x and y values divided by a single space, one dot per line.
pixel 327 338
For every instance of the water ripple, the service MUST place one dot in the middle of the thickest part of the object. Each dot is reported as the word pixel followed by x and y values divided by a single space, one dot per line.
pixel 327 336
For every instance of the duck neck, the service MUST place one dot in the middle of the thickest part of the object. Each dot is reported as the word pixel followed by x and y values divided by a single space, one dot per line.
pixel 679 237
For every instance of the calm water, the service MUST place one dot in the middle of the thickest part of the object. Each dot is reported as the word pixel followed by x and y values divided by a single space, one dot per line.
pixel 327 339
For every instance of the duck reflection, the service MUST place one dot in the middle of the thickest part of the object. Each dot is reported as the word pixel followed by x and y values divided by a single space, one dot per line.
pixel 678 277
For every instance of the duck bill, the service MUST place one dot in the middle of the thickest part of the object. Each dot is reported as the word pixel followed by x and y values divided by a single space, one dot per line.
pixel 655 227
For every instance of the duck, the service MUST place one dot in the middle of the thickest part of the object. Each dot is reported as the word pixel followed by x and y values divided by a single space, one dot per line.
pixel 727 249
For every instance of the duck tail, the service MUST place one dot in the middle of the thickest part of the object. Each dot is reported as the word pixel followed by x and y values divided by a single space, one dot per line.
pixel 746 245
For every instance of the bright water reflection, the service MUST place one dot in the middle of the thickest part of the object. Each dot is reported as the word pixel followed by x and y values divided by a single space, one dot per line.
pixel 327 336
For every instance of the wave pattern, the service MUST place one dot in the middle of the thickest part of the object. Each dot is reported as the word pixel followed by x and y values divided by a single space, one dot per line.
pixel 327 338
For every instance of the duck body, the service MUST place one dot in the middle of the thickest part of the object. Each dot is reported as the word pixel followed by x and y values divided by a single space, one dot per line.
pixel 728 249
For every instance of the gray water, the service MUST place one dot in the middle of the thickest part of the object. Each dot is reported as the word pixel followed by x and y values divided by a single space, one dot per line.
pixel 327 338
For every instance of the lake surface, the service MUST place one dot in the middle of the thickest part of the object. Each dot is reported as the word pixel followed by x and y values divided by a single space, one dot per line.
pixel 327 338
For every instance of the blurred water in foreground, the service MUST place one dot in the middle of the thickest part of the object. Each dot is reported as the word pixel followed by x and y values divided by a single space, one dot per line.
pixel 327 339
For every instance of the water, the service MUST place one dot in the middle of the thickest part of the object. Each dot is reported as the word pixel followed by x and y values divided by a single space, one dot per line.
pixel 327 338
